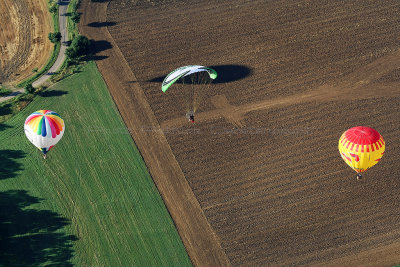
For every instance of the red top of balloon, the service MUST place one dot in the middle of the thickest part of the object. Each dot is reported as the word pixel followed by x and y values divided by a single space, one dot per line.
pixel 362 135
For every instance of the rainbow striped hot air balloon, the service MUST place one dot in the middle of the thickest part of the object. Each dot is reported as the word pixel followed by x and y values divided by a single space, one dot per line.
pixel 361 148
pixel 44 128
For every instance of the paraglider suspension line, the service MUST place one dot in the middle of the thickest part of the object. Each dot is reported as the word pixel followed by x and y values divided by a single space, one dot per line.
pixel 201 78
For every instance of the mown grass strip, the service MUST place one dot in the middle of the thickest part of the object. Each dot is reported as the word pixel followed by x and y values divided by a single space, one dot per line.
pixel 94 181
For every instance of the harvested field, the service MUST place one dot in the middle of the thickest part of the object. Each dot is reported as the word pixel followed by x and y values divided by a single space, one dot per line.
pixel 24 44
pixel 262 159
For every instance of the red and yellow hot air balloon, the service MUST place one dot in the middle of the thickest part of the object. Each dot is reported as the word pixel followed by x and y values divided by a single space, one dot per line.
pixel 361 148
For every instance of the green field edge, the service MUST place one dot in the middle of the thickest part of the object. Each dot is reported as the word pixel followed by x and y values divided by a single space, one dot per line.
pixel 153 236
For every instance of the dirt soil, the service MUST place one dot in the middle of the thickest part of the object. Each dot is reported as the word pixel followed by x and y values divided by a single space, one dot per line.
pixel 258 179
pixel 24 43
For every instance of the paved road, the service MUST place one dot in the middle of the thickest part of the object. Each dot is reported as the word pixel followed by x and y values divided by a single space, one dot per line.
pixel 63 5
pixel 14 93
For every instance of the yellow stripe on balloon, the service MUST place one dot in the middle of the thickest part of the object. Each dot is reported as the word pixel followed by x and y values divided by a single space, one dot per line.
pixel 361 148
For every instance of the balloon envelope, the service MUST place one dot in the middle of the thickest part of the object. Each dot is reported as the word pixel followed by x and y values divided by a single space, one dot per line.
pixel 361 148
pixel 44 128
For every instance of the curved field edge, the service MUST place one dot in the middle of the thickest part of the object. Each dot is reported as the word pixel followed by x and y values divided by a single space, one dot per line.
pixel 52 58
pixel 35 50
pixel 94 178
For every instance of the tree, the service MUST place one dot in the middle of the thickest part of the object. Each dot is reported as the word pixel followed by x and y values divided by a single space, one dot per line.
pixel 53 8
pixel 75 17
pixel 80 46
pixel 55 37
pixel 29 88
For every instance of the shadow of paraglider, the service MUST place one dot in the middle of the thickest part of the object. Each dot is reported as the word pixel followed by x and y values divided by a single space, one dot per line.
pixel 226 74
pixel 231 73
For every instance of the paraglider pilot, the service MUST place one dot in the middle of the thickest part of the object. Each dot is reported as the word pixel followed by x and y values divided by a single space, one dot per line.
pixel 190 116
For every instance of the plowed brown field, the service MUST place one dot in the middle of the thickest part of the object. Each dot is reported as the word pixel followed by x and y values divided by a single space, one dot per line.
pixel 24 45
pixel 258 180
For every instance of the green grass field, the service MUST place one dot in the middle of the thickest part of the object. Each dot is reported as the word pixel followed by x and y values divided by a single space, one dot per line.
pixel 92 202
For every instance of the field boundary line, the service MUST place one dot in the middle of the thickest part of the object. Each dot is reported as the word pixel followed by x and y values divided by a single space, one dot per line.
pixel 201 242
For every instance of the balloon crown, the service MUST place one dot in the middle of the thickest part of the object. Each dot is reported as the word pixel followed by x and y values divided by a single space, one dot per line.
pixel 362 135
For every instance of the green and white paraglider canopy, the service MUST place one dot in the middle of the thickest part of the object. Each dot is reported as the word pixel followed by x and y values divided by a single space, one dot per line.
pixel 181 72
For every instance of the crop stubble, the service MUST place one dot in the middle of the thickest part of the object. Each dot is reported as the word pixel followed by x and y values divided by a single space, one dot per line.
pixel 262 160
pixel 23 38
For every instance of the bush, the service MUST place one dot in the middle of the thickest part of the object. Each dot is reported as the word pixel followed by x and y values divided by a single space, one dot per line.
pixel 29 88
pixel 55 37
pixel 53 9
pixel 75 17
pixel 80 46
pixel 4 91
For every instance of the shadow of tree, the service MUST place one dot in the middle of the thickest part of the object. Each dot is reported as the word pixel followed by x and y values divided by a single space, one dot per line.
pixel 51 93
pixel 4 126
pixel 8 164
pixel 67 43
pixel 102 24
pixel 30 237
pixel 5 109
pixel 62 3
pixel 226 74
pixel 97 46
pixel 4 92
pixel 95 58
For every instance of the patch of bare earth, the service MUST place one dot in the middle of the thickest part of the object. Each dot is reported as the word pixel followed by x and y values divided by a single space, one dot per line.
pixel 261 161
pixel 24 43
